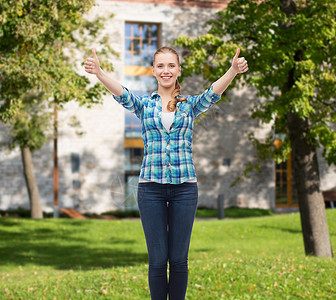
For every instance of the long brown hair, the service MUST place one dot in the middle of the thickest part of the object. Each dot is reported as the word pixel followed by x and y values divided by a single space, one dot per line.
pixel 176 94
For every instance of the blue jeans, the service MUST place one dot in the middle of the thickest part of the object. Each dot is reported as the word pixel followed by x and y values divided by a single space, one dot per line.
pixel 167 213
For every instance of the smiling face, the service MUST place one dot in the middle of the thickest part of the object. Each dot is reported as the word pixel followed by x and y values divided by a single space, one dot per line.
pixel 166 69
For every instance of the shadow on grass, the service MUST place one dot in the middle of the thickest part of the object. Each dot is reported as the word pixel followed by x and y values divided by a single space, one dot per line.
pixel 64 248
pixel 289 230
pixel 8 222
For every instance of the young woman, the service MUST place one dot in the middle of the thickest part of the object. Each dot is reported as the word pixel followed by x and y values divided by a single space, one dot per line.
pixel 167 190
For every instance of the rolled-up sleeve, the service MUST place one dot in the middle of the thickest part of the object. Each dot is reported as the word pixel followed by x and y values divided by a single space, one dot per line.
pixel 131 102
pixel 203 102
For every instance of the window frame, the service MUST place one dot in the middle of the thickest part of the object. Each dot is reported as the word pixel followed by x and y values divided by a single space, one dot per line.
pixel 289 182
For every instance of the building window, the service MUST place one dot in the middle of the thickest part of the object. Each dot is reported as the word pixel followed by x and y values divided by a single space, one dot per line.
pixel 141 42
pixel 131 191
pixel 285 189
pixel 132 126
pixel 133 159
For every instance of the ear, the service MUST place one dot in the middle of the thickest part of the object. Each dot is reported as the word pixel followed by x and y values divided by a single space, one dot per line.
pixel 153 70
pixel 179 72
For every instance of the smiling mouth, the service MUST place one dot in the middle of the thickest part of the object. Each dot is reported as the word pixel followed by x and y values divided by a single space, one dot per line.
pixel 166 77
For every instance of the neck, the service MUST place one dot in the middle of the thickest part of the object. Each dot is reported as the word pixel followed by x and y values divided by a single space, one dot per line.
pixel 165 92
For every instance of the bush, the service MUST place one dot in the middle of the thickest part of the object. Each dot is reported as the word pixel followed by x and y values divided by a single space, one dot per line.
pixel 202 212
pixel 233 212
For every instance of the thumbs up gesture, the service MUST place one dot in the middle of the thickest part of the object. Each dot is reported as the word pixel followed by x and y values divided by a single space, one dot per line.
pixel 91 65
pixel 239 64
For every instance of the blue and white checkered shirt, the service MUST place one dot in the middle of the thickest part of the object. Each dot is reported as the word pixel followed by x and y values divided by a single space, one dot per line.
pixel 167 154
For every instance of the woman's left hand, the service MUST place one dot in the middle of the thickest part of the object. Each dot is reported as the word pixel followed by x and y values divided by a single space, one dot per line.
pixel 239 64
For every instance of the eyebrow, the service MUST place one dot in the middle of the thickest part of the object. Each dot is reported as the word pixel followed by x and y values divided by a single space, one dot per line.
pixel 171 63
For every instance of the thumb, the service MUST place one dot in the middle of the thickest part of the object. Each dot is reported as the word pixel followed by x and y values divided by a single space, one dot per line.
pixel 237 53
pixel 94 53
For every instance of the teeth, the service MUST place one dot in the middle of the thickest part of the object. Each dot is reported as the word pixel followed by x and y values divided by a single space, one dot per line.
pixel 166 77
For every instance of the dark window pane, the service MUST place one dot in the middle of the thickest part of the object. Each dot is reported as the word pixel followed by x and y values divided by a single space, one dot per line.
pixel 284 176
pixel 137 152
pixel 75 162
pixel 154 31
pixel 145 32
pixel 136 30
pixel 128 45
pixel 136 46
pixel 153 46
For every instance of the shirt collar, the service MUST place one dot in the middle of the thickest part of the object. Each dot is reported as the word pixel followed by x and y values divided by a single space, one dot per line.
pixel 155 95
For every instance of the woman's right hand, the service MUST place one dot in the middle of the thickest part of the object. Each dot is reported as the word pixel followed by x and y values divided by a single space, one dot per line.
pixel 91 65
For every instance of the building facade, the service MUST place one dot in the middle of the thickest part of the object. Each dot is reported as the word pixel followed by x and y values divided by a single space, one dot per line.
pixel 100 149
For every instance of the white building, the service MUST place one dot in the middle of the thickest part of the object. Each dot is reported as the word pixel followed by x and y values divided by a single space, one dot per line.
pixel 99 168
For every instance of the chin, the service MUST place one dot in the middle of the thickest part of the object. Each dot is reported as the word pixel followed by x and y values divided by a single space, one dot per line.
pixel 167 84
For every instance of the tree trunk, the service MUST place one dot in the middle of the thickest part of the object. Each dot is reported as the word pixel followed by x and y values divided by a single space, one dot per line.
pixel 312 210
pixel 33 193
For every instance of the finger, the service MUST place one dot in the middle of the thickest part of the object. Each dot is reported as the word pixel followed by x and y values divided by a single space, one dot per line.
pixel 91 71
pixel 242 61
pixel 89 61
pixel 88 65
pixel 237 53
pixel 244 69
pixel 242 64
pixel 94 53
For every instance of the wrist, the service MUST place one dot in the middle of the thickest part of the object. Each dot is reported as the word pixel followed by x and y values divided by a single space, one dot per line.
pixel 100 73
pixel 233 71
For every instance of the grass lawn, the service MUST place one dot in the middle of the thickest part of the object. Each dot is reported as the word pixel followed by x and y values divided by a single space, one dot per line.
pixel 255 258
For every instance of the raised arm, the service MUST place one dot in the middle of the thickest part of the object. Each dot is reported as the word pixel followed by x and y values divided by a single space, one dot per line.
pixel 122 95
pixel 92 66
pixel 239 65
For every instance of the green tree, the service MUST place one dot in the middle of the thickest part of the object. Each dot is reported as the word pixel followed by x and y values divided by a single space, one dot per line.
pixel 290 47
pixel 39 43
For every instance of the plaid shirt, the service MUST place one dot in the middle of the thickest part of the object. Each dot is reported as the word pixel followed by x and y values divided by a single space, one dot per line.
pixel 167 154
